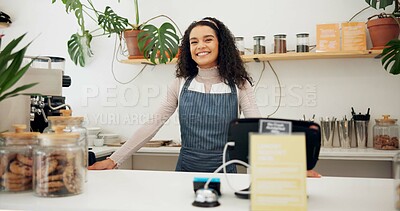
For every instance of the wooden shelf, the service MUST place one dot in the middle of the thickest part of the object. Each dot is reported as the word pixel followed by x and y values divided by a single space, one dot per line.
pixel 289 56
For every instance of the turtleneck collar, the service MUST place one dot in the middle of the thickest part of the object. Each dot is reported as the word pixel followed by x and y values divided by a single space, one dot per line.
pixel 208 72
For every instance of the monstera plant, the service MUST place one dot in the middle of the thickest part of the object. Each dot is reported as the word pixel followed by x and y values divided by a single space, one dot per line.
pixel 11 70
pixel 391 53
pixel 161 43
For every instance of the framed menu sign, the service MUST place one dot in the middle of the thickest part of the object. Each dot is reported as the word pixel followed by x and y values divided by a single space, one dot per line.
pixel 278 172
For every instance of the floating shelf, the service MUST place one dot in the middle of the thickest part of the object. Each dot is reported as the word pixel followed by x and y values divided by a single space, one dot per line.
pixel 289 56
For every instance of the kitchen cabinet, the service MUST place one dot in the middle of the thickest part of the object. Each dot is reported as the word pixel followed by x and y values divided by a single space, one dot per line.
pixel 289 56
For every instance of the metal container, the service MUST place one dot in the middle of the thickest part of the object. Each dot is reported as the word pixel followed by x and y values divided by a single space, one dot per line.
pixel 345 130
pixel 328 132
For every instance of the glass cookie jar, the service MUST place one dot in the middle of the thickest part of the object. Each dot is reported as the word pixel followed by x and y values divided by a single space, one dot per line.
pixel 58 164
pixel 72 124
pixel 386 134
pixel 16 163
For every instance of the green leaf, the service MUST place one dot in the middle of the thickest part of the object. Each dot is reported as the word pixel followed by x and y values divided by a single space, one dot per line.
pixel 11 70
pixel 111 22
pixel 391 56
pixel 16 91
pixel 382 3
pixel 79 48
pixel 72 5
pixel 162 42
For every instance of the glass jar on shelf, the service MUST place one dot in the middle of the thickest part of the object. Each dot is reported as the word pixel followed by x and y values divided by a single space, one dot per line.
pixel 16 163
pixel 280 43
pixel 239 41
pixel 259 45
pixel 386 134
pixel 303 43
pixel 58 164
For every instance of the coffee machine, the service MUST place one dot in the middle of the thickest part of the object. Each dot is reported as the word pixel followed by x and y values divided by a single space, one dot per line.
pixel 40 101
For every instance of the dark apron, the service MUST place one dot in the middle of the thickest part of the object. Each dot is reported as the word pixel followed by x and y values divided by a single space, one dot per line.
pixel 204 120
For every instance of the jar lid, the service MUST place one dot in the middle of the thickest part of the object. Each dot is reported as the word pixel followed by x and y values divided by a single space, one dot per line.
pixel 239 38
pixel 65 116
pixel 260 37
pixel 386 120
pixel 58 137
pixel 302 35
pixel 19 133
pixel 280 35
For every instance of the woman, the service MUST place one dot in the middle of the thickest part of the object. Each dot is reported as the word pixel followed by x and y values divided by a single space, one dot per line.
pixel 211 89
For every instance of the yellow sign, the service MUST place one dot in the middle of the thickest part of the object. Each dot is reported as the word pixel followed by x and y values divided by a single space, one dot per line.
pixel 278 172
pixel 354 37
pixel 328 37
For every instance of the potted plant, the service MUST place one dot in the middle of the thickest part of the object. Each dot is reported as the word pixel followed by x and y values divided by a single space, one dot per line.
pixel 163 39
pixel 390 42
pixel 148 41
pixel 11 70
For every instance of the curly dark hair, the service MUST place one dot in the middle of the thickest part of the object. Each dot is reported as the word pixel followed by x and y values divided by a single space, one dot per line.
pixel 230 65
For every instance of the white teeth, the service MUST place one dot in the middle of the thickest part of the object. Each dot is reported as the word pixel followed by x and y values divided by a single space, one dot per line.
pixel 202 53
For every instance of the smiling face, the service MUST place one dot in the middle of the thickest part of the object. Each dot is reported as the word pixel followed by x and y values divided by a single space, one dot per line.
pixel 204 46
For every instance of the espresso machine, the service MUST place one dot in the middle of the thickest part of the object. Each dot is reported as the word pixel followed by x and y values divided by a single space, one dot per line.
pixel 40 101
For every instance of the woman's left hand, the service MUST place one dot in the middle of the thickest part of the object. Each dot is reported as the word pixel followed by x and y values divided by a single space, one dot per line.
pixel 313 174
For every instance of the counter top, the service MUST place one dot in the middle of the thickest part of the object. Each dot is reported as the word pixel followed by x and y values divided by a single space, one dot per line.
pixel 325 153
pixel 357 154
pixel 154 190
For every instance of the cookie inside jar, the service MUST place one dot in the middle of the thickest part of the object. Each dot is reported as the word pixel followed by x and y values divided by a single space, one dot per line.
pixel 386 134
pixel 16 159
pixel 58 165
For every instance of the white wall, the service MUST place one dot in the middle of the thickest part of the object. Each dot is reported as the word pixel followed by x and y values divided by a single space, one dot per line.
pixel 328 87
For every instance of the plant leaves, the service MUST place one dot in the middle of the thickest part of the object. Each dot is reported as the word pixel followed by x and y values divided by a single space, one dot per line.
pixel 162 42
pixel 11 70
pixel 391 56
pixel 111 22
pixel 16 91
pixel 382 3
pixel 79 48
pixel 72 5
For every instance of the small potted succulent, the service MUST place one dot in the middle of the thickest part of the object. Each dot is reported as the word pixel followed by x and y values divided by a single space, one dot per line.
pixel 151 41
pixel 390 44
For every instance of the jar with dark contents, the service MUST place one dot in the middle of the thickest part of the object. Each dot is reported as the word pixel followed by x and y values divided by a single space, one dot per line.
pixel 259 45
pixel 303 43
pixel 386 134
pixel 58 164
pixel 280 43
pixel 16 163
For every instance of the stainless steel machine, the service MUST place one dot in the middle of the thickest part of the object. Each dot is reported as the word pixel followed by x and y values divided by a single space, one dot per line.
pixel 31 109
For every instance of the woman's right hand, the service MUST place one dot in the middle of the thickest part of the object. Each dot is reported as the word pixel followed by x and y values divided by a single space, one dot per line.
pixel 103 165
